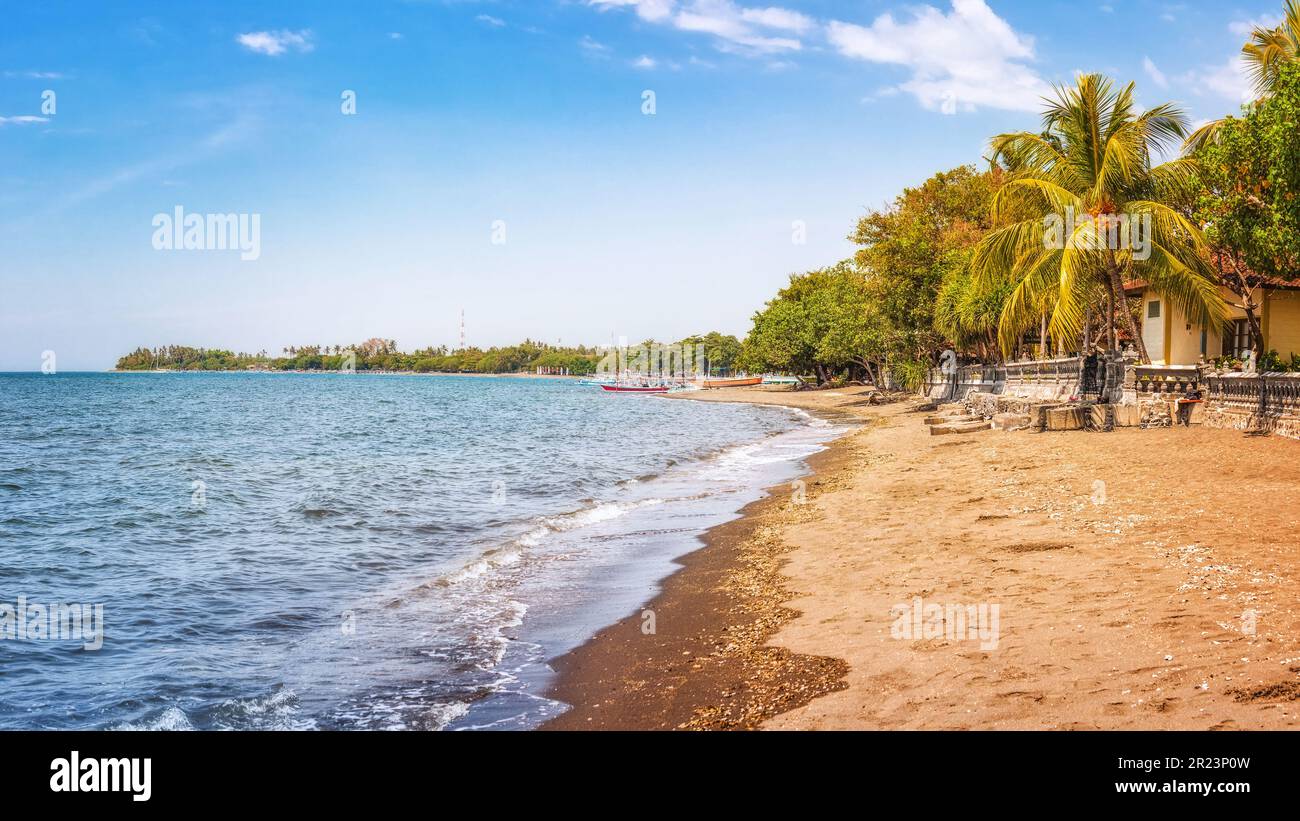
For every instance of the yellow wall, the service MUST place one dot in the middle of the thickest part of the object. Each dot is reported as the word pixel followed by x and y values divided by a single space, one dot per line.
pixel 1172 340
pixel 1282 329
pixel 1185 340
pixel 1177 344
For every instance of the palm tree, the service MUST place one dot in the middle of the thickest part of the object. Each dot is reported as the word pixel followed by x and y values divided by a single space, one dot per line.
pixel 1090 174
pixel 1270 49
pixel 1266 52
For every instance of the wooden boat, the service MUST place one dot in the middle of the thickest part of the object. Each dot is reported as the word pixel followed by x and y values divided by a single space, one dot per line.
pixel 635 388
pixel 739 382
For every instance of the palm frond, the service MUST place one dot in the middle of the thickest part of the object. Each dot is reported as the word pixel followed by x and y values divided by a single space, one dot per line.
pixel 1208 134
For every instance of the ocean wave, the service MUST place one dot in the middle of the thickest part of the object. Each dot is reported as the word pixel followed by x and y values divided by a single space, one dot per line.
pixel 172 719
pixel 545 527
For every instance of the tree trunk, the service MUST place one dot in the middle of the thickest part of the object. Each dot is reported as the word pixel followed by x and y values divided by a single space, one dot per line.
pixel 1117 283
pixel 1110 315
pixel 1239 283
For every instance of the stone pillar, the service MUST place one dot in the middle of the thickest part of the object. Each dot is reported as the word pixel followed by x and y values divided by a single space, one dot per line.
pixel 1128 361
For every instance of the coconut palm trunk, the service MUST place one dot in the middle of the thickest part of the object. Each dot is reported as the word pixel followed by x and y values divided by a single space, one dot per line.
pixel 1130 325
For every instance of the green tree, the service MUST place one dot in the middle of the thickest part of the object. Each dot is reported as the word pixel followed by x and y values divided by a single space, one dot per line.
pixel 822 322
pixel 1266 53
pixel 910 249
pixel 1250 196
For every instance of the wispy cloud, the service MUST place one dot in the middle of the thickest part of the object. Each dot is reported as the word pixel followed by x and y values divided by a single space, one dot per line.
pixel 23 119
pixel 644 62
pixel 1157 76
pixel 489 20
pixel 967 58
pixel 753 31
pixel 1229 80
pixel 1244 28
pixel 275 43
pixel 33 75
pixel 961 59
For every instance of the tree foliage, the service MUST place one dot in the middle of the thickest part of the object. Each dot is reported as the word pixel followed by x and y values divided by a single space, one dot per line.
pixel 822 322
pixel 1250 181
pixel 911 248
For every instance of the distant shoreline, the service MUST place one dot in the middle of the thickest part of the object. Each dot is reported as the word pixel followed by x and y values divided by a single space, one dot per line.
pixel 321 372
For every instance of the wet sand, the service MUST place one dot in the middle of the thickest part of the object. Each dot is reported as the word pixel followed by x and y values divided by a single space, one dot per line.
pixel 1143 579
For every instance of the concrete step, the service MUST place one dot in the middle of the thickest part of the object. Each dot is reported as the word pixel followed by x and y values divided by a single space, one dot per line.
pixel 1065 419
pixel 949 420
pixel 959 427
pixel 1011 421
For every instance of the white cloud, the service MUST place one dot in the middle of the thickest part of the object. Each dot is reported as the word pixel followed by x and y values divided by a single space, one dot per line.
pixel 964 59
pixel 34 75
pixel 275 43
pixel 653 10
pixel 644 62
pixel 1229 80
pixel 487 19
pixel 23 119
pixel 738 29
pixel 593 46
pixel 1244 28
pixel 1157 76
pixel 778 18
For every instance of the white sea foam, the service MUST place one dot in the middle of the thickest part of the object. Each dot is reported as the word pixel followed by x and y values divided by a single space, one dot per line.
pixel 173 718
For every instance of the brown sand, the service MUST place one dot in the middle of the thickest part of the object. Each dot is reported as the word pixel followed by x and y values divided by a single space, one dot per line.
pixel 1145 579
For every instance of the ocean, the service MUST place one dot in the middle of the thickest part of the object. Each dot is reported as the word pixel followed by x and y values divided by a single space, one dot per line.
pixel 289 551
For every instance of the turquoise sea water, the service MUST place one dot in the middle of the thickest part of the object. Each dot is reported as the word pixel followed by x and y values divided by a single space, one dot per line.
pixel 333 551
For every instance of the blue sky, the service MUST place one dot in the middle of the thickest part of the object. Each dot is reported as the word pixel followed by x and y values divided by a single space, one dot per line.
pixel 527 115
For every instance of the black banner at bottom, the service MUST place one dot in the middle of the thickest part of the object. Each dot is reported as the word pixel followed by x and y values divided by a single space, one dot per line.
pixel 145 771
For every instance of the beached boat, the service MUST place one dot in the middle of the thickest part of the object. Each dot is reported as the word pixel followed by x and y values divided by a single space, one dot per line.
pixel 636 388
pixel 738 382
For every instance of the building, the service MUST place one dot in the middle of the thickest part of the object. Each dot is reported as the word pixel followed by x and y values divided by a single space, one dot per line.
pixel 1172 339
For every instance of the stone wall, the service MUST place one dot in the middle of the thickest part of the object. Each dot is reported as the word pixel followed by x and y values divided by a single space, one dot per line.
pixel 1265 402
pixel 1288 426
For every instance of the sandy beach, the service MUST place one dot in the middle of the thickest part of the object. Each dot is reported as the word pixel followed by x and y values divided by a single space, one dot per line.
pixel 1142 579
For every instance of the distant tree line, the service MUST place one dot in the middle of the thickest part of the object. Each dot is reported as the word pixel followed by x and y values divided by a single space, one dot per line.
pixel 383 355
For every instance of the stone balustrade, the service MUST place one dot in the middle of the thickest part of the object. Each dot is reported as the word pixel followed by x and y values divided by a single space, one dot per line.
pixel 1166 379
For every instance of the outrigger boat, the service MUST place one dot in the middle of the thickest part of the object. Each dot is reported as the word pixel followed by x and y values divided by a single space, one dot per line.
pixel 636 388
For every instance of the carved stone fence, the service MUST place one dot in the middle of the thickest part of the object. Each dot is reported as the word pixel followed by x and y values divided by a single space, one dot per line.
pixel 1264 402
pixel 1174 380
pixel 1034 378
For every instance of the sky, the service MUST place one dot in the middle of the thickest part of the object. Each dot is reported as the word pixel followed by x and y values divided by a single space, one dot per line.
pixel 569 171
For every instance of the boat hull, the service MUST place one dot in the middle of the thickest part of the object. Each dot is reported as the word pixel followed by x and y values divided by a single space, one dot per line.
pixel 629 389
